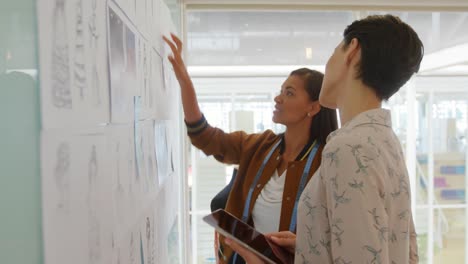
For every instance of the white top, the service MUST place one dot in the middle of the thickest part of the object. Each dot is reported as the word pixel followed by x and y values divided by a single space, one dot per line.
pixel 267 209
pixel 357 208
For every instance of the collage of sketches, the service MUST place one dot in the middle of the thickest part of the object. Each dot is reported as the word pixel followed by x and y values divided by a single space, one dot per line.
pixel 109 112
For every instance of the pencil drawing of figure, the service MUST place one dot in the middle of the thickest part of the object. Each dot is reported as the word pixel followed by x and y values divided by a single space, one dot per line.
pixel 94 241
pixel 119 190
pixel 79 68
pixel 62 177
pixel 61 94
pixel 149 241
pixel 130 161
pixel 92 167
pixel 145 74
pixel 132 250
pixel 115 251
pixel 94 47
pixel 150 170
pixel 150 83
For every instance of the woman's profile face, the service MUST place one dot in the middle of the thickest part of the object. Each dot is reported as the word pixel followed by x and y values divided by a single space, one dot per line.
pixel 292 103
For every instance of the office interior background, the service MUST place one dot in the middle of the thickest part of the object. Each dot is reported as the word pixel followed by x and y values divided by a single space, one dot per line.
pixel 239 52
pixel 238 58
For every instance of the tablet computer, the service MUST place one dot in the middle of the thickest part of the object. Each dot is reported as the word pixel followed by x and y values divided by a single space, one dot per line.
pixel 230 226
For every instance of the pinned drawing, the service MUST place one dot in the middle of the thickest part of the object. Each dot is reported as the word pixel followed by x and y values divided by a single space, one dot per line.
pixel 132 248
pixel 119 196
pixel 145 74
pixel 92 167
pixel 94 238
pixel 79 68
pixel 165 100
pixel 62 176
pixel 94 48
pixel 61 92
pixel 162 151
pixel 116 255
pixel 173 243
pixel 122 69
pixel 152 179
pixel 150 240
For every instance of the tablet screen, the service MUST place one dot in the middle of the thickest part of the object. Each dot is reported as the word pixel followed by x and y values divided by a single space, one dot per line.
pixel 232 227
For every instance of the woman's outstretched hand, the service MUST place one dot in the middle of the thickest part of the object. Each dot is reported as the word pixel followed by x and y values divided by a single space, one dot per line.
pixel 176 60
pixel 189 98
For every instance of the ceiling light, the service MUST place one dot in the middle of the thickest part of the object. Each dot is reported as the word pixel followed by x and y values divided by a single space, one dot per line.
pixel 308 52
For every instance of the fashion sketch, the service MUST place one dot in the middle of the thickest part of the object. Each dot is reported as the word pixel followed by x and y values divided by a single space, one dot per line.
pixel 61 92
pixel 62 176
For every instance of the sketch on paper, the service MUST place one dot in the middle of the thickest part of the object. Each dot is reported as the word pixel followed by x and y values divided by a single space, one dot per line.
pixel 139 151
pixel 62 176
pixel 165 100
pixel 79 68
pixel 94 243
pixel 92 168
pixel 93 45
pixel 149 83
pixel 94 239
pixel 152 179
pixel 162 151
pixel 122 68
pixel 130 157
pixel 121 151
pixel 146 85
pixel 130 53
pixel 145 73
pixel 61 91
pixel 173 243
pixel 132 248
pixel 119 195
pixel 116 255
pixel 149 239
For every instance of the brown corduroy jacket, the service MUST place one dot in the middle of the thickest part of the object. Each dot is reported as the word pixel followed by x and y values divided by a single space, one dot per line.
pixel 249 151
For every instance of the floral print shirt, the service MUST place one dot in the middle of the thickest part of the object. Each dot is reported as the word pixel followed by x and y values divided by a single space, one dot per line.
pixel 357 208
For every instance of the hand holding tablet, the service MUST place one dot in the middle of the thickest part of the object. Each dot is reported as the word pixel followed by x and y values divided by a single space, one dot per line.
pixel 245 235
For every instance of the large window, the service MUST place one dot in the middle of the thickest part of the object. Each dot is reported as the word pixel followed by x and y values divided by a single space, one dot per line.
pixel 240 58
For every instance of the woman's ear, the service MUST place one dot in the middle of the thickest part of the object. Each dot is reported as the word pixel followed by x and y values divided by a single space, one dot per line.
pixel 314 109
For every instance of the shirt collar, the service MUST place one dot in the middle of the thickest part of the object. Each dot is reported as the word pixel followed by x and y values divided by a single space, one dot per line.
pixel 378 116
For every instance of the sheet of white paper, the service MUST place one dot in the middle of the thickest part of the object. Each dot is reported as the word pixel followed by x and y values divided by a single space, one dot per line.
pixel 155 31
pixel 149 236
pixel 93 168
pixel 122 61
pixel 75 198
pixel 61 212
pixel 173 243
pixel 165 19
pixel 121 153
pixel 162 150
pixel 151 171
pixel 148 19
pixel 163 94
pixel 72 59
pixel 92 98
pixel 130 246
pixel 140 19
pixel 148 97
